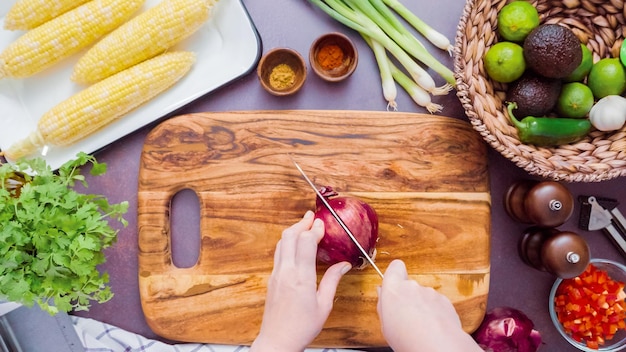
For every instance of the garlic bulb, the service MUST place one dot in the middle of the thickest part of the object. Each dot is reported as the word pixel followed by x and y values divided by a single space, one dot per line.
pixel 609 113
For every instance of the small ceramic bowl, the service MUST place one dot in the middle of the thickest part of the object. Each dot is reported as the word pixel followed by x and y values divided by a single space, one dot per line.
pixel 617 272
pixel 333 57
pixel 282 71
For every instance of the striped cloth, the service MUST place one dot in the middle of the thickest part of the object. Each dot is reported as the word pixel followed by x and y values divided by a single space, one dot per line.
pixel 97 336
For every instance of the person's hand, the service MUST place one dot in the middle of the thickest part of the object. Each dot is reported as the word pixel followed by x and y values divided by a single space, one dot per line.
pixel 296 308
pixel 418 318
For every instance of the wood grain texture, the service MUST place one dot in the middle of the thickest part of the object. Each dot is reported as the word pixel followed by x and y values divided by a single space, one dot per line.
pixel 426 176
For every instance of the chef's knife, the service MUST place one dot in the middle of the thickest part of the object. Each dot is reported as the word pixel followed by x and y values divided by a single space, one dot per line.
pixel 341 223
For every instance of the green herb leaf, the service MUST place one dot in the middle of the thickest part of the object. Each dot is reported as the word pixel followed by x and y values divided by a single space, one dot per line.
pixel 53 236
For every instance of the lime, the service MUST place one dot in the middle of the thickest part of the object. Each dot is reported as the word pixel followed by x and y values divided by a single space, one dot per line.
pixel 516 20
pixel 583 69
pixel 575 100
pixel 504 62
pixel 607 77
pixel 622 53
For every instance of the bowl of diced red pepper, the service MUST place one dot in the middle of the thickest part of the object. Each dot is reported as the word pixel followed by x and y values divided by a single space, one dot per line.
pixel 589 310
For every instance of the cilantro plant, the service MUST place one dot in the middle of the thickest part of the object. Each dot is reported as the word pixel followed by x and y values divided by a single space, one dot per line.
pixel 52 237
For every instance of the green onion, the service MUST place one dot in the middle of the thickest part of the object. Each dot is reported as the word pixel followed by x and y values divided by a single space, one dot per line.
pixel 384 32
pixel 363 24
pixel 384 66
pixel 438 39
pixel 401 36
pixel 417 93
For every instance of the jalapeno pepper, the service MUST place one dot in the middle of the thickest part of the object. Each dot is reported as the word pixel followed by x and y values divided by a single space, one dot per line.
pixel 549 131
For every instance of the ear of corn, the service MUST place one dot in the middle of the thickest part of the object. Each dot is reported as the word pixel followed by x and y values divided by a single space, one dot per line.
pixel 143 37
pixel 100 104
pixel 63 36
pixel 28 14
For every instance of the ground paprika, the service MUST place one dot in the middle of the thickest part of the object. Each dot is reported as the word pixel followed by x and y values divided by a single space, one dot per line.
pixel 330 56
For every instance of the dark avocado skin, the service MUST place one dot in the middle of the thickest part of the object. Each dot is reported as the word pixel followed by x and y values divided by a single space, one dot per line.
pixel 535 95
pixel 552 51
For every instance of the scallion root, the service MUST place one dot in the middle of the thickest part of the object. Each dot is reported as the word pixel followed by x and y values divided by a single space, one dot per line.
pixel 442 90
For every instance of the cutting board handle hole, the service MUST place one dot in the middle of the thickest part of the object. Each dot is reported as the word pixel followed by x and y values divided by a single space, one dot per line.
pixel 185 228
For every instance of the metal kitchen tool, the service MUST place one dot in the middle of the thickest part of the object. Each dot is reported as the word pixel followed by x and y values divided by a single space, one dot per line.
pixel 341 223
pixel 602 214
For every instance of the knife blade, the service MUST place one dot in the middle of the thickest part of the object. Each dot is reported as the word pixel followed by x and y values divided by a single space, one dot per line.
pixel 341 223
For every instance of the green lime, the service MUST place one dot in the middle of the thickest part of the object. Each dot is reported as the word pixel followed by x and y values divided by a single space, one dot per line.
pixel 607 77
pixel 575 100
pixel 583 69
pixel 622 53
pixel 504 62
pixel 516 20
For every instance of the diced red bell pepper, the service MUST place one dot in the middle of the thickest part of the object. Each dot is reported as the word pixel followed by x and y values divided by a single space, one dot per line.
pixel 591 307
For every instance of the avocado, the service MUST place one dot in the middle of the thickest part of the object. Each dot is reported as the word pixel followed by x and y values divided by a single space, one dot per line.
pixel 535 95
pixel 552 50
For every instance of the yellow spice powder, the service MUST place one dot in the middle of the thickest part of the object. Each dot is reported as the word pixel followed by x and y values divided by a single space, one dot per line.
pixel 282 77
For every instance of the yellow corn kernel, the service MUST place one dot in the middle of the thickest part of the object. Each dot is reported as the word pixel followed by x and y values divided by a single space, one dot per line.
pixel 63 36
pixel 102 103
pixel 141 38
pixel 28 14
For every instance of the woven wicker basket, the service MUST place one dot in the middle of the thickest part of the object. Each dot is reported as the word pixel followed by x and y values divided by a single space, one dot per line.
pixel 600 24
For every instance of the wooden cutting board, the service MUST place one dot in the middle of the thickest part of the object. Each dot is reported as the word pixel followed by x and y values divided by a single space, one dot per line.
pixel 426 176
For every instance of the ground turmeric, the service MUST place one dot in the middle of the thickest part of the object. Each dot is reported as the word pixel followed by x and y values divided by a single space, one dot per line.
pixel 330 56
pixel 282 77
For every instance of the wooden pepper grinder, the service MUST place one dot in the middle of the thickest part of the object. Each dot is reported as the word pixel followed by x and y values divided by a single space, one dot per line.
pixel 561 253
pixel 544 204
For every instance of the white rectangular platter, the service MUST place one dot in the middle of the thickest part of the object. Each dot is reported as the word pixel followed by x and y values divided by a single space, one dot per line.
pixel 227 47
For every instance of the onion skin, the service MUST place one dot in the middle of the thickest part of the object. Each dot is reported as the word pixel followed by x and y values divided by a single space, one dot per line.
pixel 362 220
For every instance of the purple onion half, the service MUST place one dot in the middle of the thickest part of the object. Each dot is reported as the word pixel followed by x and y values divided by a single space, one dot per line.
pixel 506 329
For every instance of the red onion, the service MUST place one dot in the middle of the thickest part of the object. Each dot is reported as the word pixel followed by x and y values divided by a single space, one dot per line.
pixel 506 329
pixel 336 246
